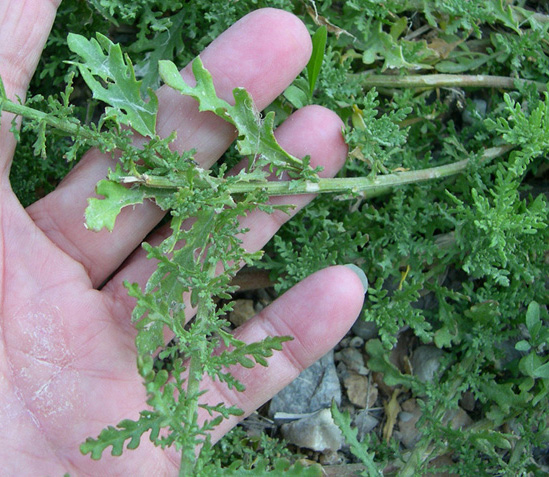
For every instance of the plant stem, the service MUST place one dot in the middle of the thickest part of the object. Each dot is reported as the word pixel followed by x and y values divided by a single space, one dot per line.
pixel 61 124
pixel 446 80
pixel 368 187
pixel 188 459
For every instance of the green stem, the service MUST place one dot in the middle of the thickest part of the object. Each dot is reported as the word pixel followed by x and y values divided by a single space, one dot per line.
pixel 369 187
pixel 188 459
pixel 72 129
pixel 445 80
pixel 366 186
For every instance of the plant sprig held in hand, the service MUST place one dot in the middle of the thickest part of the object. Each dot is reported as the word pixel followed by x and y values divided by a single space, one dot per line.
pixel 196 263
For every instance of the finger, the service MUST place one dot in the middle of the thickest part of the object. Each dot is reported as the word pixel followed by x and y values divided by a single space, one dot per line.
pixel 317 313
pixel 263 52
pixel 313 131
pixel 24 28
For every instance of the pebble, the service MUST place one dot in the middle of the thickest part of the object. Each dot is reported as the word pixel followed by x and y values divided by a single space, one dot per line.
pixel 426 362
pixel 353 359
pixel 243 310
pixel 364 423
pixel 409 435
pixel 317 432
pixel 360 391
pixel 311 391
pixel 356 342
pixel 365 329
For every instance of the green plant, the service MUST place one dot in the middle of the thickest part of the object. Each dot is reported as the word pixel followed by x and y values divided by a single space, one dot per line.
pixel 177 184
pixel 475 244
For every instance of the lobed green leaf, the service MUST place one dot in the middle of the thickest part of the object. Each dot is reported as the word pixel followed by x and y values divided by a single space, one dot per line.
pixel 103 60
pixel 124 431
pixel 255 136
pixel 102 213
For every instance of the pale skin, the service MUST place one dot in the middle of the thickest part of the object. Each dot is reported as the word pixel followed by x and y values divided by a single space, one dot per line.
pixel 67 354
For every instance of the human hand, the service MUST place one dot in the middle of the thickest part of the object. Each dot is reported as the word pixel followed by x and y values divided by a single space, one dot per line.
pixel 67 354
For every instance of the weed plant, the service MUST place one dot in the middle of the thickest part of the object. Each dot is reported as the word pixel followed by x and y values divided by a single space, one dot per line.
pixel 453 91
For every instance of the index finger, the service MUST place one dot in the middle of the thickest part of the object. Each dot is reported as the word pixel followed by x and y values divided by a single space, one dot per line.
pixel 24 29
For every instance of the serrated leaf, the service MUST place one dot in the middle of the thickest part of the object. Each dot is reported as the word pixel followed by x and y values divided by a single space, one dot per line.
pixel 317 56
pixel 255 136
pixel 382 45
pixel 119 88
pixel 102 213
pixel 162 46
pixel 358 449
pixel 117 436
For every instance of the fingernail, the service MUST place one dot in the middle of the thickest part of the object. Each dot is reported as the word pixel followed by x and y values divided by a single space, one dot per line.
pixel 360 273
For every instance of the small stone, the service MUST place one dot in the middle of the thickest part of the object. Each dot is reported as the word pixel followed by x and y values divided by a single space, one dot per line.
pixel 342 370
pixel 356 342
pixel 468 401
pixel 458 419
pixel 330 457
pixel 317 432
pixel 311 391
pixel 344 343
pixel 264 299
pixel 365 329
pixel 408 433
pixel 426 362
pixel 407 419
pixel 243 310
pixel 443 461
pixel 354 360
pixel 359 390
pixel 479 107
pixel 364 423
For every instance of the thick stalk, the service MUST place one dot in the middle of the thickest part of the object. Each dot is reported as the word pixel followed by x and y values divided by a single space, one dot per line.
pixel 445 80
pixel 366 186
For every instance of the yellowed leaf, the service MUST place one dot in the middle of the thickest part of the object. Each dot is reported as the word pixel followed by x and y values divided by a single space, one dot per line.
pixel 392 408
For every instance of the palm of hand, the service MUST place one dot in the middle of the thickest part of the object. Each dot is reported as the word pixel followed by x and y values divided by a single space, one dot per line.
pixel 67 366
pixel 67 354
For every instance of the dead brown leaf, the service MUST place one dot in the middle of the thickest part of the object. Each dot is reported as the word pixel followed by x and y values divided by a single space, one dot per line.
pixel 323 21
